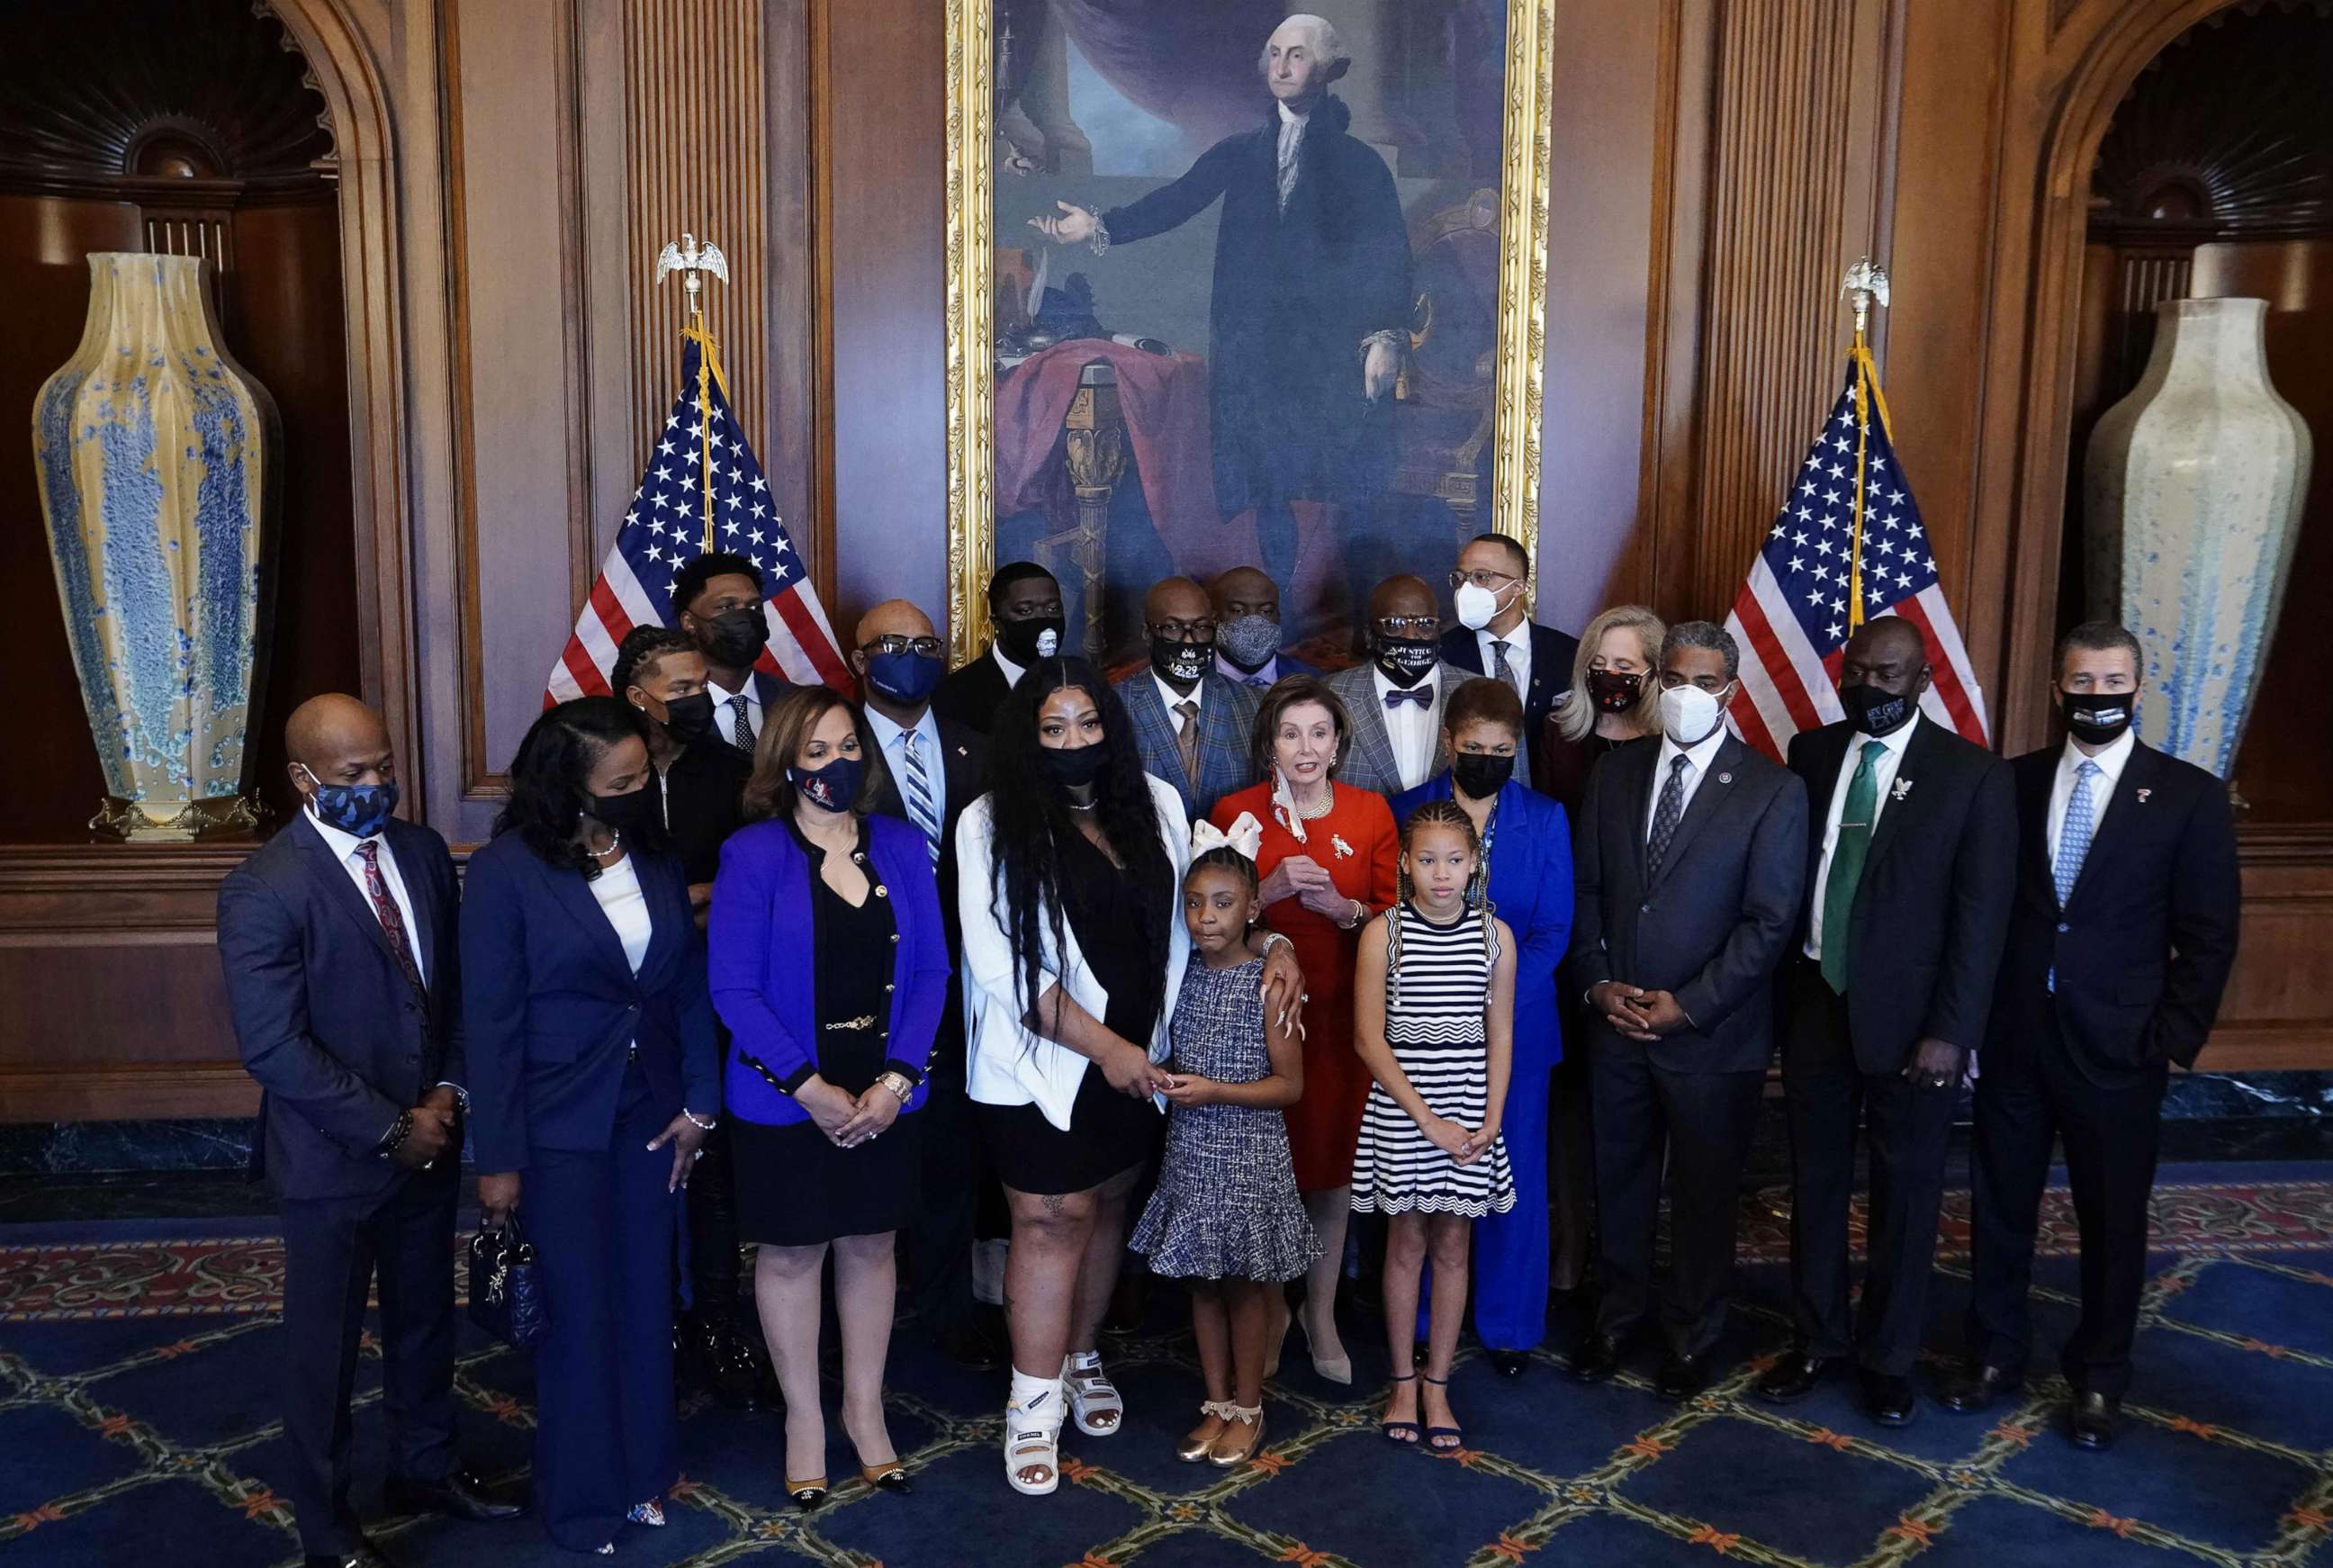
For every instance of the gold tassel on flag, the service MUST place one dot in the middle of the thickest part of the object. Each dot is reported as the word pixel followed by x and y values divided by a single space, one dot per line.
pixel 692 261
pixel 1864 283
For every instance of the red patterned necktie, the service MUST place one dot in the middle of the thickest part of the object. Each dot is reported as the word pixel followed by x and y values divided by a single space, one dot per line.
pixel 392 921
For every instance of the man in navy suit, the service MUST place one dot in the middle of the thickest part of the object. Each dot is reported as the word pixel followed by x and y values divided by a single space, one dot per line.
pixel 338 938
pixel 1496 636
pixel 2120 945
pixel 1248 631
pixel 1195 726
pixel 721 604
pixel 1690 857
pixel 1911 865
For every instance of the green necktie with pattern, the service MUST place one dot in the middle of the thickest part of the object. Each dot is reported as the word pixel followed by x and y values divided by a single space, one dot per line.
pixel 1854 820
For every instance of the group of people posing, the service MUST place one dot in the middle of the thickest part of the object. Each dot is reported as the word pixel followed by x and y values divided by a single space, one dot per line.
pixel 1193 965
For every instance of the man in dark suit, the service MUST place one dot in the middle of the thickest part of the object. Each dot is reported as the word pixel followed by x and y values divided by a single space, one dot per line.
pixel 2120 945
pixel 722 607
pixel 338 940
pixel 1910 855
pixel 701 780
pixel 1496 636
pixel 1689 858
pixel 1195 727
pixel 934 768
pixel 1025 606
pixel 1395 699
pixel 1248 630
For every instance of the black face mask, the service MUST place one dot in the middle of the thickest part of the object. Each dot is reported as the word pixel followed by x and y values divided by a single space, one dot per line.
pixel 1613 691
pixel 1406 661
pixel 2096 718
pixel 1018 639
pixel 834 786
pixel 1073 767
pixel 1181 662
pixel 1876 712
pixel 686 718
pixel 1479 775
pixel 734 638
pixel 627 813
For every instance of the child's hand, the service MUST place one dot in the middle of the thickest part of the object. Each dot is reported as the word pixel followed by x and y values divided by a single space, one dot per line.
pixel 1449 1136
pixel 1190 1089
pixel 1479 1141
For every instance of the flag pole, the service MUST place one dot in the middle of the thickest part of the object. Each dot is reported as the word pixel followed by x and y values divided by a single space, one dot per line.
pixel 692 261
pixel 1864 284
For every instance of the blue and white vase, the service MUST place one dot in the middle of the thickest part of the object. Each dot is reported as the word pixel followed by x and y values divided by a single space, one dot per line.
pixel 2193 490
pixel 157 456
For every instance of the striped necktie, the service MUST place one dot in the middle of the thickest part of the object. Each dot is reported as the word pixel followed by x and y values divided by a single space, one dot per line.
pixel 920 806
pixel 2074 835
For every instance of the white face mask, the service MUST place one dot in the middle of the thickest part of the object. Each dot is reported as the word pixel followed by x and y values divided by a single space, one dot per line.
pixel 1477 606
pixel 1689 715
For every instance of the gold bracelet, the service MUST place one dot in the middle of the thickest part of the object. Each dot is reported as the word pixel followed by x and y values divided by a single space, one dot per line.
pixel 897 1083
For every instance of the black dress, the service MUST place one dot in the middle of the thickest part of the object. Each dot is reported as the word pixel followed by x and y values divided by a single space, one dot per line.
pixel 794 1187
pixel 1121 928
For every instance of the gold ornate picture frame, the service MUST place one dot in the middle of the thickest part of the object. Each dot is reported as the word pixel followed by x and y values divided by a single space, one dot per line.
pixel 1509 507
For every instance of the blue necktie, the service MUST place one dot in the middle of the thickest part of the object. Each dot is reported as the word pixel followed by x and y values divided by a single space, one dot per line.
pixel 2074 837
pixel 919 793
pixel 1416 694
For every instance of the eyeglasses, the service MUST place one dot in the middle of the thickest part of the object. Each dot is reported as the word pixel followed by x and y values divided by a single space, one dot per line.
pixel 1184 630
pixel 891 642
pixel 1484 577
pixel 1410 625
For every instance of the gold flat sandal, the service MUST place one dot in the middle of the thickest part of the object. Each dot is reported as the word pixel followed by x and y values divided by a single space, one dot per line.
pixel 1196 1448
pixel 1238 1457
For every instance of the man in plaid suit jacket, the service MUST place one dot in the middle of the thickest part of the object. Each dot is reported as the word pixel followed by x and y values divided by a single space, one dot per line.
pixel 1195 726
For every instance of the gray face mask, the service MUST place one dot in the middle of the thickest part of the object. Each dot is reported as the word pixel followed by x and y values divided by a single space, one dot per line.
pixel 1250 642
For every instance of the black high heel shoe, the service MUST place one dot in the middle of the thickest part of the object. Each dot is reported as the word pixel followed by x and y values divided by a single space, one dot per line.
pixel 806 1494
pixel 890 1476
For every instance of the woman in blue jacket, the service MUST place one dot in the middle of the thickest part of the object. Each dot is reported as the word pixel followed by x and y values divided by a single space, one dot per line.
pixel 593 1079
pixel 1526 856
pixel 830 965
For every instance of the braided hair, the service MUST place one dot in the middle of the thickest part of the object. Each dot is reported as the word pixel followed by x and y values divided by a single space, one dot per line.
pixel 1436 814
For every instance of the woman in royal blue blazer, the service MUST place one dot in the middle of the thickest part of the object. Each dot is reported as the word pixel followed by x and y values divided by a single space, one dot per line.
pixel 1527 857
pixel 830 965
pixel 595 1079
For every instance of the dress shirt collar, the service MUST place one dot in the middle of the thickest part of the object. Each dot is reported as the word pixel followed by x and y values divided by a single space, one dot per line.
pixel 2111 760
pixel 1268 673
pixel 1170 697
pixel 343 845
pixel 1013 672
pixel 1894 741
pixel 888 733
pixel 723 697
pixel 1702 752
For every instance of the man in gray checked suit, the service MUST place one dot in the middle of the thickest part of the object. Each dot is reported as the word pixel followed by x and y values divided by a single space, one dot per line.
pixel 1395 699
pixel 1194 726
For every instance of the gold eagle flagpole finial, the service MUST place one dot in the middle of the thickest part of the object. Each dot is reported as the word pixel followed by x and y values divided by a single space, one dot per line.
pixel 692 262
pixel 1865 282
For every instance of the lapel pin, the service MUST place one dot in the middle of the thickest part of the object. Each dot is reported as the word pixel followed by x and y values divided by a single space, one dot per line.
pixel 1725 778
pixel 1903 787
pixel 2143 794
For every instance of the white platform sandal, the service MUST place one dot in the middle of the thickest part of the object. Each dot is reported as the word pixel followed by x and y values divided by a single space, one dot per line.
pixel 1033 1440
pixel 1099 1407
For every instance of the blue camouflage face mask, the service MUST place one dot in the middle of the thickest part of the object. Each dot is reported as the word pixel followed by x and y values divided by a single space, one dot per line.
pixel 361 810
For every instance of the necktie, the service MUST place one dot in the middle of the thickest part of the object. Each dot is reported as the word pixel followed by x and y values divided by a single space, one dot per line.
pixel 1416 694
pixel 919 793
pixel 1505 672
pixel 1186 741
pixel 1665 815
pixel 392 921
pixel 741 734
pixel 2074 836
pixel 1854 820
pixel 1261 682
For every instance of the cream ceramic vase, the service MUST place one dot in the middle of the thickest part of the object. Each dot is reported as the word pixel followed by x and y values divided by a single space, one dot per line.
pixel 2192 490
pixel 157 455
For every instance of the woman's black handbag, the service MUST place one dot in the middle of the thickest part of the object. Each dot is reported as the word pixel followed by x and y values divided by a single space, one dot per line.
pixel 507 1296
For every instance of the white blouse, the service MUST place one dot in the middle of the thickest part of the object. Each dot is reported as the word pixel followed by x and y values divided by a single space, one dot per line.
pixel 618 889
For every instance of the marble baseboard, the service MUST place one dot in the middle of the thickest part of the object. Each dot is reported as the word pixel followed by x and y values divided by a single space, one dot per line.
pixel 95 1148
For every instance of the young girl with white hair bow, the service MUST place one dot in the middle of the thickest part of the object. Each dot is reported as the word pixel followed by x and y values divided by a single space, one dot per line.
pixel 1225 1215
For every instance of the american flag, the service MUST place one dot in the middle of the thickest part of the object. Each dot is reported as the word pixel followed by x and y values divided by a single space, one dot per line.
pixel 1794 615
pixel 702 462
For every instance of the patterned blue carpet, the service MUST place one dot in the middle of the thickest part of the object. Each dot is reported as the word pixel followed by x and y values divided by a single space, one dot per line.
pixel 138 1370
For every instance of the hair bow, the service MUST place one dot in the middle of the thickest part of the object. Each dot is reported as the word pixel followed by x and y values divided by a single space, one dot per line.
pixel 1245 835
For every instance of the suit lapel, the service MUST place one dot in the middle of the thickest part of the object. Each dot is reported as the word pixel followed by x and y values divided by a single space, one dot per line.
pixel 341 890
pixel 1219 732
pixel 2122 814
pixel 575 896
pixel 419 889
pixel 1152 720
pixel 1369 737
pixel 1902 798
pixel 1708 798
pixel 2033 787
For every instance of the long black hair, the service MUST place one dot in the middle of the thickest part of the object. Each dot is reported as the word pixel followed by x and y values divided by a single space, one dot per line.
pixel 1032 823
pixel 547 793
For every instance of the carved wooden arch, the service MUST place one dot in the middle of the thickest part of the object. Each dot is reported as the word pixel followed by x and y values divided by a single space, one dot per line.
pixel 357 97
pixel 2095 53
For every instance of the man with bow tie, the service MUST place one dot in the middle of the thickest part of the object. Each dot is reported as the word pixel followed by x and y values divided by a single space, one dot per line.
pixel 2120 945
pixel 1396 699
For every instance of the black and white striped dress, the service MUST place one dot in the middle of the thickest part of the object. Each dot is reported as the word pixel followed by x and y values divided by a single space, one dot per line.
pixel 1436 996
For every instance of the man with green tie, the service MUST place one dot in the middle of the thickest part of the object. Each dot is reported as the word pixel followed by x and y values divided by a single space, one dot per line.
pixel 1911 867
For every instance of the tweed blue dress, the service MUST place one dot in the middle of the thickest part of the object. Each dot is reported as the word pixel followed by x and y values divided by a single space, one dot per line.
pixel 1226 1205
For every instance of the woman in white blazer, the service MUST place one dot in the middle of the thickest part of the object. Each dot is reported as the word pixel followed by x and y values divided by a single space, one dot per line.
pixel 1069 876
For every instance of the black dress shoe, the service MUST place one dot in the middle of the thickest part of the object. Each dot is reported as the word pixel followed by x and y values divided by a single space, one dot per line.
pixel 460 1495
pixel 1509 1363
pixel 1889 1399
pixel 366 1555
pixel 1598 1357
pixel 1793 1378
pixel 965 1344
pixel 1682 1376
pixel 2094 1420
pixel 1977 1388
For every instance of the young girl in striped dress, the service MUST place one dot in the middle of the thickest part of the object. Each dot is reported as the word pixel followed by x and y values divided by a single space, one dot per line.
pixel 1433 1017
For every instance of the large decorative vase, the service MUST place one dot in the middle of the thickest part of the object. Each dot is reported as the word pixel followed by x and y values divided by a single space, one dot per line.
pixel 2192 491
pixel 157 455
